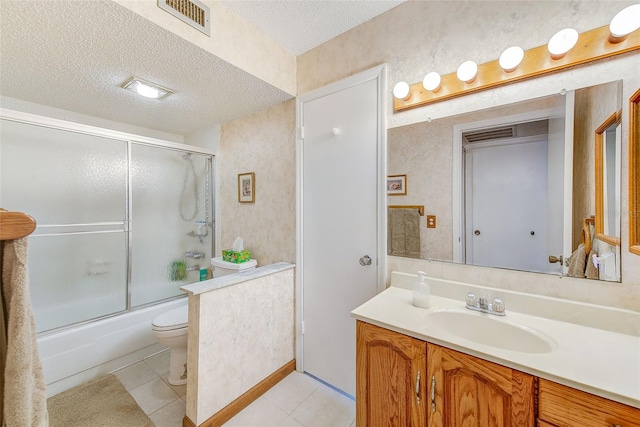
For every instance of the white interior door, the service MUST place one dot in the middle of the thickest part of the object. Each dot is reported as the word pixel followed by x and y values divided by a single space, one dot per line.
pixel 340 222
pixel 507 206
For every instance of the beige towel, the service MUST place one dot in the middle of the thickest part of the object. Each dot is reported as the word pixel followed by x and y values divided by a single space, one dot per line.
pixel 24 392
pixel 591 272
pixel 577 261
pixel 403 232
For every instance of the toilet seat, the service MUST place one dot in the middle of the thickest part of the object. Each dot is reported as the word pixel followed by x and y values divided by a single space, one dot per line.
pixel 178 318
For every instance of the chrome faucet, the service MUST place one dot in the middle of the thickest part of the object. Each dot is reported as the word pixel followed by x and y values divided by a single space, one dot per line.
pixel 194 268
pixel 483 305
pixel 194 254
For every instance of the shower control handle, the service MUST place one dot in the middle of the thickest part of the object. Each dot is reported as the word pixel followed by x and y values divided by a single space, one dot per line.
pixel 194 254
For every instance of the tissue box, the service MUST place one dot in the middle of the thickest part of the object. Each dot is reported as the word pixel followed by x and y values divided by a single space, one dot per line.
pixel 234 256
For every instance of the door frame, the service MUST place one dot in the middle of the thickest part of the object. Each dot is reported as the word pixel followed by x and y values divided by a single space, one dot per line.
pixel 379 74
pixel 458 172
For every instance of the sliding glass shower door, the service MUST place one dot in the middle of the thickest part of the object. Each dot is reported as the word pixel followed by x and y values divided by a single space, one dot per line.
pixel 75 186
pixel 171 214
pixel 120 224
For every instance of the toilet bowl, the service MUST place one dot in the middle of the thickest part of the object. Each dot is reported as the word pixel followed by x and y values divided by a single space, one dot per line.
pixel 171 329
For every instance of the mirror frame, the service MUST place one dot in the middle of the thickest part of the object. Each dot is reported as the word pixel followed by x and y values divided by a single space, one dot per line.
pixel 614 119
pixel 634 173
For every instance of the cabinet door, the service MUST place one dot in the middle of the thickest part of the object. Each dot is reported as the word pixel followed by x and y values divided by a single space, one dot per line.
pixel 390 381
pixel 471 392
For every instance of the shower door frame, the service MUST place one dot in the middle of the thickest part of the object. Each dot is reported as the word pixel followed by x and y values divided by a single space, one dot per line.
pixel 130 139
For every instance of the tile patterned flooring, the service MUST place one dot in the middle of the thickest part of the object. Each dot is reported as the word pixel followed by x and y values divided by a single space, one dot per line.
pixel 297 401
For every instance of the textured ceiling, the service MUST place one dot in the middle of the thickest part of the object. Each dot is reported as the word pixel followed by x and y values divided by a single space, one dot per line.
pixel 73 55
pixel 300 25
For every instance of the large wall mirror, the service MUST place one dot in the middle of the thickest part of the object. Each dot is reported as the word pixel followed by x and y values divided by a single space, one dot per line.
pixel 512 186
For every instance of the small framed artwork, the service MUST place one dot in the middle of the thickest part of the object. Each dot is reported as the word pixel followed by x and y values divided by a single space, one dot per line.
pixel 247 187
pixel 397 185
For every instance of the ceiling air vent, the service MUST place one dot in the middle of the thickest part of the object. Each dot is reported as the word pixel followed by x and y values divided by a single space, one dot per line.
pixel 490 134
pixel 192 12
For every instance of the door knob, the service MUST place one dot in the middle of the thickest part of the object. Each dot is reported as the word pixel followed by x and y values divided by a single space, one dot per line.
pixel 477 232
pixel 554 259
pixel 365 260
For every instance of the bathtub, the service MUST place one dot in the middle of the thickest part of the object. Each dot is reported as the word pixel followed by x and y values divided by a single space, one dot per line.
pixel 78 354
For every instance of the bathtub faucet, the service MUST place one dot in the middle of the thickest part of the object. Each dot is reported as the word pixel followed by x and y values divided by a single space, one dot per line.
pixel 194 268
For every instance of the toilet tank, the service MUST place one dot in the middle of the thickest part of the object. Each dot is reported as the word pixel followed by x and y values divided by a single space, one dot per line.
pixel 222 268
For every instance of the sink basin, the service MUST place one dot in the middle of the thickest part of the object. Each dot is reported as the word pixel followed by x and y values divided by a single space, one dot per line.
pixel 482 329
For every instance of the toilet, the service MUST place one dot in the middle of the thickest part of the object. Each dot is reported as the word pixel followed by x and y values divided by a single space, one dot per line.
pixel 171 328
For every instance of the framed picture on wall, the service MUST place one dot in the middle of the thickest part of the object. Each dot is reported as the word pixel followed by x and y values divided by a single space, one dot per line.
pixel 397 185
pixel 247 187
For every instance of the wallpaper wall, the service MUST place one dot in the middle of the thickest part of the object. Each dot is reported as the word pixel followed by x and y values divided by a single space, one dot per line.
pixel 263 143
pixel 412 39
pixel 420 36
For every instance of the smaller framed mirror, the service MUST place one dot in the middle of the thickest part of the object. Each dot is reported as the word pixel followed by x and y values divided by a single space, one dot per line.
pixel 634 173
pixel 608 165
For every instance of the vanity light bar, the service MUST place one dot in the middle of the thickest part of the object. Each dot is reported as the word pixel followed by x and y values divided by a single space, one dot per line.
pixel 591 46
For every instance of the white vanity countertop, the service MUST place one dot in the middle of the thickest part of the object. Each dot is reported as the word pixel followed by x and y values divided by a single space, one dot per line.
pixel 597 361
pixel 233 279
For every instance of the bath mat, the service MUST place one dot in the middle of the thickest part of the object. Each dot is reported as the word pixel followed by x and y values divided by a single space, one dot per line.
pixel 103 402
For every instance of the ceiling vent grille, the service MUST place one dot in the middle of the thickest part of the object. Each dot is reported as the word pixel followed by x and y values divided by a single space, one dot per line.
pixel 192 12
pixel 490 134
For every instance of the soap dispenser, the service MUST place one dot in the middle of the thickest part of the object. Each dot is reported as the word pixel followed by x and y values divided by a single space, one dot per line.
pixel 421 291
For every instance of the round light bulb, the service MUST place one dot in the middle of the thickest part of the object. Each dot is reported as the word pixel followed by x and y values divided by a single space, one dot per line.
pixel 432 81
pixel 401 90
pixel 562 42
pixel 626 21
pixel 467 71
pixel 147 91
pixel 511 58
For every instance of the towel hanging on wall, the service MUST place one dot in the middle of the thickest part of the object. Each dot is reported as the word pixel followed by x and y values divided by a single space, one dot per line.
pixel 403 232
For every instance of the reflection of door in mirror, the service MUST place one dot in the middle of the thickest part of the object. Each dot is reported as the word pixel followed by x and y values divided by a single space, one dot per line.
pixel 634 173
pixel 607 155
pixel 506 196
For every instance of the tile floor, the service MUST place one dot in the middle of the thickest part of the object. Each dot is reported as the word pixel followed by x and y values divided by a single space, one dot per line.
pixel 297 401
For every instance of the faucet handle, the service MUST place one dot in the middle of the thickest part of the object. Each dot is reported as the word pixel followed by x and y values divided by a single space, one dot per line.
pixel 498 305
pixel 471 299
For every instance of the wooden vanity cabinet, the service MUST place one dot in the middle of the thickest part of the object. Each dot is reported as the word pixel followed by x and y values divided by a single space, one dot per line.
pixel 562 406
pixel 458 390
pixel 396 373
pixel 390 378
pixel 468 391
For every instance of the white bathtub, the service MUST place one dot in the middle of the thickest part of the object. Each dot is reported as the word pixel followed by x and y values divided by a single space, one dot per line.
pixel 76 355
